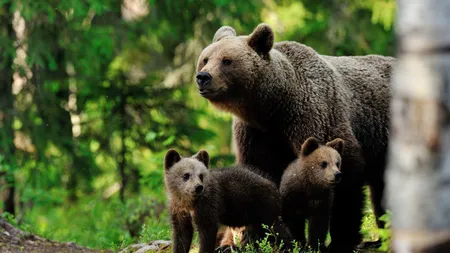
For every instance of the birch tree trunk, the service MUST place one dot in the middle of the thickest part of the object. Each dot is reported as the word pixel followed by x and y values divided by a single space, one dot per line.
pixel 418 175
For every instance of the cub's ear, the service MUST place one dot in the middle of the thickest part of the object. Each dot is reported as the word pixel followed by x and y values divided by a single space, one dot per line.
pixel 203 157
pixel 337 144
pixel 309 146
pixel 224 31
pixel 171 158
pixel 261 40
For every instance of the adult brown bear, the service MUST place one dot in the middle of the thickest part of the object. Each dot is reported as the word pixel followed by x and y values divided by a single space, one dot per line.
pixel 283 93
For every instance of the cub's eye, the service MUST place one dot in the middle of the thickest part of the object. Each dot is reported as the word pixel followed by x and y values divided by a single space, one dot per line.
pixel 324 164
pixel 201 177
pixel 338 164
pixel 205 60
pixel 226 62
pixel 186 176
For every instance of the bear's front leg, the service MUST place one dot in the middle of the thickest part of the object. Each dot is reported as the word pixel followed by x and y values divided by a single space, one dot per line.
pixel 348 199
pixel 294 219
pixel 317 229
pixel 207 225
pixel 182 232
pixel 268 152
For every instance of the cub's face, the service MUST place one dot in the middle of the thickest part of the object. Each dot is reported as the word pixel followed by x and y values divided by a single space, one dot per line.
pixel 322 161
pixel 186 177
pixel 230 65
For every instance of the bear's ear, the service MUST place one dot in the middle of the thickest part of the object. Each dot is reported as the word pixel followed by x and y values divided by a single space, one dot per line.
pixel 309 146
pixel 224 31
pixel 337 144
pixel 203 157
pixel 171 158
pixel 261 40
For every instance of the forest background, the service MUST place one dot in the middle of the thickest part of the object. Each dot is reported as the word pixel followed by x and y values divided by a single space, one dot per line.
pixel 94 92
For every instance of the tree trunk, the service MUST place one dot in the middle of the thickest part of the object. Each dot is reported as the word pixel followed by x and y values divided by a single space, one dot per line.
pixel 7 147
pixel 123 151
pixel 418 175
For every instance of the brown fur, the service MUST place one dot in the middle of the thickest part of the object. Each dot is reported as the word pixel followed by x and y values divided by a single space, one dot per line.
pixel 209 198
pixel 283 95
pixel 307 190
pixel 231 235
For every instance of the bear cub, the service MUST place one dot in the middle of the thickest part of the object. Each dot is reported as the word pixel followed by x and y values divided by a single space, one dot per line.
pixel 306 190
pixel 234 197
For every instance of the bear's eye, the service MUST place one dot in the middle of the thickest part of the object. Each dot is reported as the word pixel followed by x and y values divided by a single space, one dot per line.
pixel 186 176
pixel 226 62
pixel 201 177
pixel 205 61
pixel 338 164
pixel 324 164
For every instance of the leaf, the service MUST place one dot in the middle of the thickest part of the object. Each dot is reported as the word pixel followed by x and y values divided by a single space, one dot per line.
pixel 169 140
pixel 150 136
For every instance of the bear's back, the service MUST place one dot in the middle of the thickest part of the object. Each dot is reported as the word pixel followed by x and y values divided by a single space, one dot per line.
pixel 246 196
pixel 364 80
pixel 367 82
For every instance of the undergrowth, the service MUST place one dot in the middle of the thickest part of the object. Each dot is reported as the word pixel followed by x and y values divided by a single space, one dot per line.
pixel 105 224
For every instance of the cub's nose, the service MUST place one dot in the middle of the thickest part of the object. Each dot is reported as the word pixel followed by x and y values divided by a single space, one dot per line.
pixel 203 79
pixel 198 189
pixel 337 177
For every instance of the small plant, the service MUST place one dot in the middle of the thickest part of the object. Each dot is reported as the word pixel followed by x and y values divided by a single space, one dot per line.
pixel 125 242
pixel 296 248
pixel 264 245
pixel 156 231
pixel 13 221
pixel 9 218
pixel 249 248
pixel 385 233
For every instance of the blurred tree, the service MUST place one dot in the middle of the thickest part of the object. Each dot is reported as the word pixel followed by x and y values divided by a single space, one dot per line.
pixel 418 176
pixel 7 148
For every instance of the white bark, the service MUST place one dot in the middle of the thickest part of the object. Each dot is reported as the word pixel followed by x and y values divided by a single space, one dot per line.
pixel 418 174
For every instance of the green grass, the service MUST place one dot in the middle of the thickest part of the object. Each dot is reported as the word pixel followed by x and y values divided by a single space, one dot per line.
pixel 95 223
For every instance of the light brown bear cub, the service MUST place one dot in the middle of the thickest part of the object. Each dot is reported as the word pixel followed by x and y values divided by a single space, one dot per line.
pixel 307 190
pixel 234 197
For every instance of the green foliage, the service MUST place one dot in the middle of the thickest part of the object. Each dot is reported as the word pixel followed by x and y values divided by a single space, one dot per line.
pixel 385 233
pixel 104 94
pixel 296 248
pixel 369 228
pixel 151 232
pixel 266 244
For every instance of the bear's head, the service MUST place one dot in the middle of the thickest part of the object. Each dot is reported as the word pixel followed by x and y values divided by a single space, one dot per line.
pixel 228 69
pixel 185 177
pixel 322 162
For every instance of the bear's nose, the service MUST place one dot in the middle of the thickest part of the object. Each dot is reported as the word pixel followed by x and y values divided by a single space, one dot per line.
pixel 203 79
pixel 337 177
pixel 198 189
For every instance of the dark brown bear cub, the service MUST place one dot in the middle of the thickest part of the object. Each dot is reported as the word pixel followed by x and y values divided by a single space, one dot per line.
pixel 234 197
pixel 307 190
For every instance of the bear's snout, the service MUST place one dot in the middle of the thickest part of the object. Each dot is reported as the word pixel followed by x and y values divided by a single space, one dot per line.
pixel 337 177
pixel 198 189
pixel 203 80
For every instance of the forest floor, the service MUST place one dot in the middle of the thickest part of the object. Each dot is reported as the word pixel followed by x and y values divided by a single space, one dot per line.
pixel 14 240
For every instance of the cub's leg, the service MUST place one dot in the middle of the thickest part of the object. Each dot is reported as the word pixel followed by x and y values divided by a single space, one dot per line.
pixel 208 226
pixel 348 201
pixel 296 226
pixel 182 232
pixel 317 230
